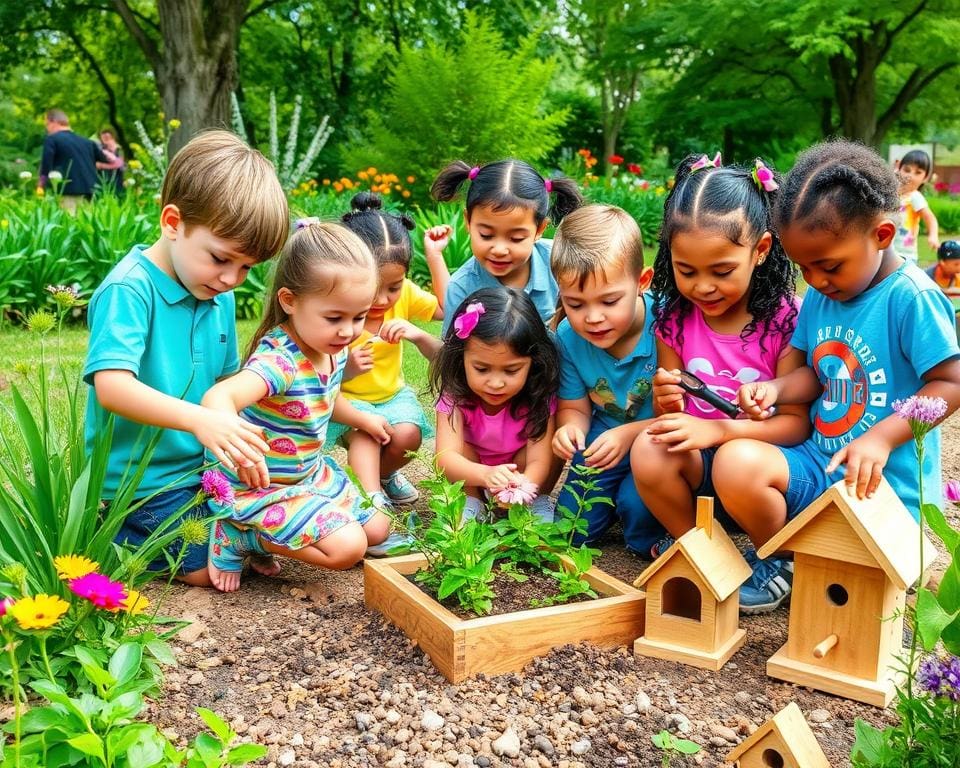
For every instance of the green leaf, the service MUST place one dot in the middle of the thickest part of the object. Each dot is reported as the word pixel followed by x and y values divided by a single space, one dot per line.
pixel 939 525
pixel 89 744
pixel 868 743
pixel 208 747
pixel 686 746
pixel 931 618
pixel 662 740
pixel 161 652
pixel 125 662
pixel 216 724
pixel 245 753
pixel 38 719
pixel 148 750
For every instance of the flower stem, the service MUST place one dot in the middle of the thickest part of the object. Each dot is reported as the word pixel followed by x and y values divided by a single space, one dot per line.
pixel 15 679
pixel 46 659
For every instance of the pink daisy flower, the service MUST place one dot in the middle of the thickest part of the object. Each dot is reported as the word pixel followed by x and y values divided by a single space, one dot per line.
pixel 215 485
pixel 99 590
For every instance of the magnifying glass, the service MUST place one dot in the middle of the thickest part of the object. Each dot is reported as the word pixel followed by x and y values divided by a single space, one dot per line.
pixel 694 386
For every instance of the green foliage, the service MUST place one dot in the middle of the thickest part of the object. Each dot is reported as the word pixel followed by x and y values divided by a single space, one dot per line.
pixel 469 98
pixel 458 250
pixel 947 211
pixel 672 747
pixel 644 205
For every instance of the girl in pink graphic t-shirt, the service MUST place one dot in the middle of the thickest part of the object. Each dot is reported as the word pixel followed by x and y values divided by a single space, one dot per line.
pixel 496 378
pixel 725 311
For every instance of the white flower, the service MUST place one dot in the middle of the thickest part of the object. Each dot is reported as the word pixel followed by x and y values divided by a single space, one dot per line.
pixel 25 175
pixel 157 198
pixel 128 182
pixel 55 176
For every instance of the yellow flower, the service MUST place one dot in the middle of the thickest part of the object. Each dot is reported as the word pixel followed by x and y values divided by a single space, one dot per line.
pixel 74 566
pixel 411 179
pixel 364 175
pixel 348 183
pixel 39 191
pixel 372 171
pixel 406 193
pixel 21 369
pixel 135 602
pixel 4 223
pixel 135 165
pixel 40 612
pixel 174 124
pixel 660 190
pixel 378 178
pixel 41 321
pixel 326 182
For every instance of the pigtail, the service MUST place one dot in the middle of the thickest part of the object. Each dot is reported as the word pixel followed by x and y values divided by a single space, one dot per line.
pixel 407 221
pixel 567 197
pixel 366 201
pixel 447 185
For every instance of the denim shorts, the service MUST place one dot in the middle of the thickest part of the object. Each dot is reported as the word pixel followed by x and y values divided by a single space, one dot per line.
pixel 808 478
pixel 706 488
pixel 147 518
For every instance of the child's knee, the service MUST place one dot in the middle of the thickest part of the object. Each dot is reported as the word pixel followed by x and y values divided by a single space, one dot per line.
pixel 377 528
pixel 344 547
pixel 739 461
pixel 406 436
pixel 647 458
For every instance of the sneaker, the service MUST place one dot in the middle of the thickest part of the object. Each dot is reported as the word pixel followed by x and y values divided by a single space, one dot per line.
pixel 542 509
pixel 393 541
pixel 768 586
pixel 399 489
pixel 473 509
pixel 662 546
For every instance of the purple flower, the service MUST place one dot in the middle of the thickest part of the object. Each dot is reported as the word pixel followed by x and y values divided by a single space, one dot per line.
pixel 925 410
pixel 940 676
pixel 951 491
pixel 217 487
pixel 99 590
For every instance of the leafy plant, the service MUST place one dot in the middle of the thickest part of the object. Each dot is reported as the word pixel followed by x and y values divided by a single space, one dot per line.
pixel 458 250
pixel 671 747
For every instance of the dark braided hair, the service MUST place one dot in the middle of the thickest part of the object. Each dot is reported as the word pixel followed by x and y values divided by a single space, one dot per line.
pixel 726 200
pixel 510 318
pixel 508 184
pixel 387 235
pixel 836 185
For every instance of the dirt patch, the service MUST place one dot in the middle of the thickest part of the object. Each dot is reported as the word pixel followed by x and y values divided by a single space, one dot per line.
pixel 299 664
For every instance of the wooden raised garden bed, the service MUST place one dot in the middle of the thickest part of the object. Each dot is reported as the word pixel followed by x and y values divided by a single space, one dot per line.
pixel 462 648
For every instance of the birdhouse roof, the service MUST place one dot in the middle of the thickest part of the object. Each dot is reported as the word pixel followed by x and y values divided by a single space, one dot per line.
pixel 715 558
pixel 793 732
pixel 885 535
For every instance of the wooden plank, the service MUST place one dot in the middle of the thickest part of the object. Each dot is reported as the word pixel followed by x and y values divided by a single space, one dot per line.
pixel 704 659
pixel 705 515
pixel 878 693
pixel 831 535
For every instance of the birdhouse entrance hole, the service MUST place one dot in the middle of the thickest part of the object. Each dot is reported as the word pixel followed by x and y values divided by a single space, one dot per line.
pixel 837 594
pixel 772 759
pixel 681 598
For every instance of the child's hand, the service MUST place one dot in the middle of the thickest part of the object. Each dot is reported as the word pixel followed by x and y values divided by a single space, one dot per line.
pixel 865 458
pixel 394 330
pixel 683 432
pixel 608 448
pixel 436 239
pixel 257 476
pixel 757 399
pixel 933 242
pixel 232 440
pixel 499 477
pixel 668 395
pixel 360 360
pixel 567 440
pixel 378 428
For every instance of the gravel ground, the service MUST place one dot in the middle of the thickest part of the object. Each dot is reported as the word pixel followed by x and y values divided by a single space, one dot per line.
pixel 299 664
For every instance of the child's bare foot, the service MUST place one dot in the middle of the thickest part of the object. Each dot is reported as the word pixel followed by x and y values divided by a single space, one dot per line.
pixel 225 581
pixel 265 565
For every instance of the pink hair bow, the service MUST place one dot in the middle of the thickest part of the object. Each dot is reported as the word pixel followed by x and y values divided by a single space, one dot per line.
pixel 473 172
pixel 468 320
pixel 764 177
pixel 706 162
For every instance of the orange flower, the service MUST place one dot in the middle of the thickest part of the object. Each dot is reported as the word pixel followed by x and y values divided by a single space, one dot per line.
pixel 411 179
pixel 406 193
pixel 338 186
pixel 364 175
pixel 326 182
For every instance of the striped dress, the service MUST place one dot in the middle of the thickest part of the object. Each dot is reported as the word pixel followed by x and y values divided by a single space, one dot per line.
pixel 309 496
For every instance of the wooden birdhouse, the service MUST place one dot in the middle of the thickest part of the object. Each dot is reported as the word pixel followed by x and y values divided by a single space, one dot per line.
pixel 784 741
pixel 692 612
pixel 854 560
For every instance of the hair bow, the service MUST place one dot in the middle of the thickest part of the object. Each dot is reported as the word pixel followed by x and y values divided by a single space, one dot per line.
pixel 305 222
pixel 763 176
pixel 706 162
pixel 473 172
pixel 468 319
pixel 548 183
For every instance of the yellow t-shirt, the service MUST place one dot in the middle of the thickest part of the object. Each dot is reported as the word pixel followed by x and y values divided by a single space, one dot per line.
pixel 385 379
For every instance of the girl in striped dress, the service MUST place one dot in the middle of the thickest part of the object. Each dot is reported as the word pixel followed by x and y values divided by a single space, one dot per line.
pixel 296 501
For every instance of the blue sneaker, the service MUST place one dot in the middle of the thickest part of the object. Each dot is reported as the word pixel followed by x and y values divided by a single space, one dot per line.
pixel 768 586
pixel 662 545
pixel 399 489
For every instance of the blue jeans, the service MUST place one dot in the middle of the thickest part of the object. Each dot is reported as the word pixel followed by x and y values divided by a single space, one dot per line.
pixel 147 518
pixel 641 530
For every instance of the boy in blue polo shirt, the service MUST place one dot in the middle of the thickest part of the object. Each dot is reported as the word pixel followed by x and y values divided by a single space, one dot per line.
pixel 162 331
pixel 607 361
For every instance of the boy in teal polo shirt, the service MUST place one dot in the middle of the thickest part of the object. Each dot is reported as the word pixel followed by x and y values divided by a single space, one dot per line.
pixel 162 331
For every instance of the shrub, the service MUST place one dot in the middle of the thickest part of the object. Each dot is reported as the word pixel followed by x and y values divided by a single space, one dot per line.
pixel 947 211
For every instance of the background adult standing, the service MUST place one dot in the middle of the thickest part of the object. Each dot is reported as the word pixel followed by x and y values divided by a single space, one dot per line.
pixel 73 156
pixel 112 172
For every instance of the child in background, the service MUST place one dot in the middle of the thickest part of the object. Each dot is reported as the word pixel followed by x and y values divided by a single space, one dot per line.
pixel 607 361
pixel 296 501
pixel 726 309
pixel 914 171
pixel 946 272
pixel 163 330
pixel 377 354
pixel 874 329
pixel 507 209
pixel 496 381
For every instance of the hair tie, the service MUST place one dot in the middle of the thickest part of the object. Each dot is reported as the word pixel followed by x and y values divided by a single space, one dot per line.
pixel 468 319
pixel 706 162
pixel 549 185
pixel 763 177
pixel 305 222
pixel 473 172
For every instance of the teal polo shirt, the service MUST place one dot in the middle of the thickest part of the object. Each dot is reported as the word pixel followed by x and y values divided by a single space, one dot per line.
pixel 143 321
pixel 541 286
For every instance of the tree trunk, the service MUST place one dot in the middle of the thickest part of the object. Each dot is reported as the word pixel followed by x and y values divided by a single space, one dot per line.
pixel 198 63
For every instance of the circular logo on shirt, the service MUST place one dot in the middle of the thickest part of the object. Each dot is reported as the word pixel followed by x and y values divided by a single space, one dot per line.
pixel 845 391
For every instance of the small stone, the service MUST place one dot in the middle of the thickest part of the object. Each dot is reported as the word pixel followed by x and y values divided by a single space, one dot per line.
pixel 742 697
pixel 483 761
pixel 192 632
pixel 431 721
pixel 819 716
pixel 296 740
pixel 277 708
pixel 543 744
pixel 718 743
pixel 195 679
pixel 677 722
pixel 286 757
pixel 728 734
pixel 621 760
pixel 643 702
pixel 581 696
pixel 364 720
pixel 508 744
pixel 210 663
pixel 581 747
pixel 402 736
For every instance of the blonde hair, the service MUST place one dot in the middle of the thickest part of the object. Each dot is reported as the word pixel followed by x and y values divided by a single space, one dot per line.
pixel 596 239
pixel 300 268
pixel 218 182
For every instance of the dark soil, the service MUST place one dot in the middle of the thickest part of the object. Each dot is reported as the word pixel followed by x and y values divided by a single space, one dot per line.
pixel 298 663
